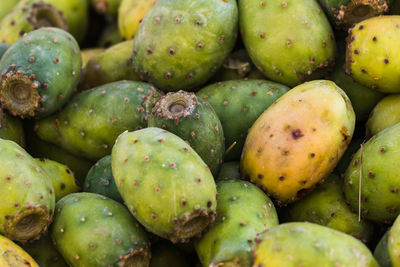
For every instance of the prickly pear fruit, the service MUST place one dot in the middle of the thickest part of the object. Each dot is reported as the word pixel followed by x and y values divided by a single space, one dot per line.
pixel 345 13
pixel 381 252
pixel 106 7
pixel 243 211
pixel 367 59
pixel 110 35
pixel 88 54
pixel 11 128
pixel 288 155
pixel 204 33
pixel 385 114
pixel 61 177
pixel 14 255
pixel 28 208
pixel 114 64
pixel 93 230
pixel 6 7
pixel 155 170
pixel 39 72
pixel 130 15
pixel 27 16
pixel 238 104
pixel 164 252
pixel 196 122
pixel 3 48
pixel 229 170
pixel 115 107
pixel 100 180
pixel 326 206
pixel 379 200
pixel 285 46
pixel 394 243
pixel 308 244
pixel 345 160
pixel 44 253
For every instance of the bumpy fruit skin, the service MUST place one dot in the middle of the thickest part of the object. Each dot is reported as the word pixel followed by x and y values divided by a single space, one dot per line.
pixel 229 170
pixel 3 48
pixel 27 16
pixel 243 211
pixel 163 252
pixel 164 183
pixel 381 252
pixel 298 140
pixel 394 243
pixel 39 72
pixel 93 230
pixel 238 104
pixel 380 199
pixel 196 122
pixel 28 203
pixel 367 59
pixel 189 41
pixel 11 128
pixel 106 7
pixel 130 14
pixel 289 41
pixel 6 7
pixel 113 64
pixel 326 206
pixel 44 253
pixel 100 180
pixel 92 120
pixel 345 13
pixel 61 177
pixel 385 114
pixel 307 244
pixel 13 255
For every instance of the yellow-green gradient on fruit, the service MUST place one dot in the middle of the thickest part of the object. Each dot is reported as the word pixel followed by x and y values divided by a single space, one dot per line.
pixel 6 7
pixel 298 140
pixel 385 114
pixel 13 255
pixel 372 54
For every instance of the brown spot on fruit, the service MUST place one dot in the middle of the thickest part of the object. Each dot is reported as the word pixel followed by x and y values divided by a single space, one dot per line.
pixel 296 134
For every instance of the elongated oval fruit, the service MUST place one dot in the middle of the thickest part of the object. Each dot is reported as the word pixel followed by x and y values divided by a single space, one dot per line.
pixel 298 140
pixel 308 244
pixel 369 60
pixel 13 255
pixel 289 41
pixel 385 114
pixel 164 183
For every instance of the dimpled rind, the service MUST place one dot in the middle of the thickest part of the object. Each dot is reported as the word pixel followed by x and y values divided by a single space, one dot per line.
pixel 372 56
pixel 380 199
pixel 307 244
pixel 381 252
pixel 93 230
pixel 238 104
pixel 385 114
pixel 298 140
pixel 189 42
pixel 14 255
pixel 243 212
pixel 92 120
pixel 164 183
pixel 289 41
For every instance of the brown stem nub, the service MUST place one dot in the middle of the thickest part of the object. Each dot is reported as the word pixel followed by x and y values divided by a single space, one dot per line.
pixel 138 258
pixel 191 226
pixel 359 10
pixel 28 224
pixel 45 15
pixel 176 105
pixel 19 95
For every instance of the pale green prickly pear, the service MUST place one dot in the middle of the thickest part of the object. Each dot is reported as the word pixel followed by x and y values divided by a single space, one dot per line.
pixel 385 114
pixel 381 252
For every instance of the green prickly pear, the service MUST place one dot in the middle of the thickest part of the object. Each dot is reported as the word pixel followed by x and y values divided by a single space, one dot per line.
pixel 367 59
pixel 88 54
pixel 11 128
pixel 39 72
pixel 13 255
pixel 308 244
pixel 381 252
pixel 164 183
pixel 115 107
pixel 345 160
pixel 164 252
pixel 3 48
pixel 238 104
pixel 229 170
pixel 27 16
pixel 289 41
pixel 385 114
pixel 28 203
pixel 243 211
pixel 203 31
pixel 93 230
pixel 100 180
pixel 394 243
pixel 6 7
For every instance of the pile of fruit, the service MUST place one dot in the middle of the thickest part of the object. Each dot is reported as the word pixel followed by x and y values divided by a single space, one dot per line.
pixel 181 133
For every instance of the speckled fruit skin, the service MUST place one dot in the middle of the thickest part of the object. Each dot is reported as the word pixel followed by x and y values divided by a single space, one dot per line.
pixel 307 244
pixel 11 128
pixel 164 183
pixel 39 72
pixel 385 114
pixel 367 59
pixel 28 203
pixel 243 212
pixel 189 41
pixel 3 48
pixel 92 120
pixel 288 155
pixel 345 160
pixel 380 199
pixel 14 255
pixel 100 180
pixel 289 41
pixel 238 104
pixel 6 7
pixel 93 230
pixel 326 206
pixel 381 252
pixel 193 120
